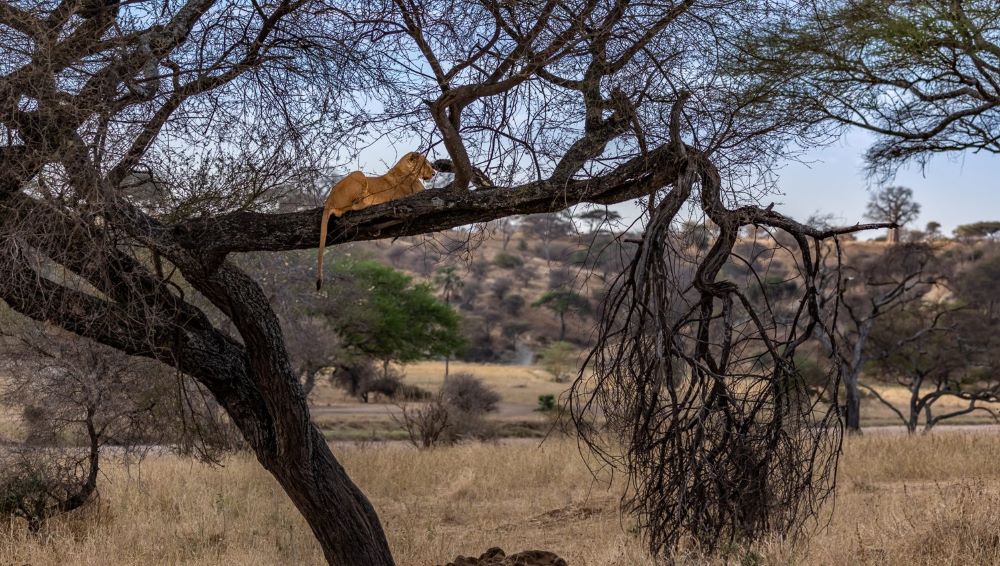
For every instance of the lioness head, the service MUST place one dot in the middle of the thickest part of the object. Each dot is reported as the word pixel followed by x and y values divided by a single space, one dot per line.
pixel 416 162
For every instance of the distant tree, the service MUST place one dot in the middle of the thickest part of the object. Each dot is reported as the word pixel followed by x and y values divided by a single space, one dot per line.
pixel 471 291
pixel 500 287
pixel 821 221
pixel 313 345
pixel 547 228
pixel 933 230
pixel 935 351
pixel 598 218
pixel 893 204
pixel 480 268
pixel 977 286
pixel 871 289
pixel 507 227
pixel 513 304
pixel 561 278
pixel 563 302
pixel 449 282
pixel 697 234
pixel 525 274
pixel 397 320
pixel 396 255
pixel 513 331
pixel 989 229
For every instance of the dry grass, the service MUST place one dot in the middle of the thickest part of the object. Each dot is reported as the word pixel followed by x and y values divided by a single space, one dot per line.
pixel 924 500
pixel 519 385
pixel 516 384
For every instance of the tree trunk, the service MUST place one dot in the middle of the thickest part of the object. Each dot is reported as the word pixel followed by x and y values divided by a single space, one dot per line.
pixel 562 327
pixel 852 408
pixel 339 514
pixel 280 431
pixel 265 399
pixel 911 426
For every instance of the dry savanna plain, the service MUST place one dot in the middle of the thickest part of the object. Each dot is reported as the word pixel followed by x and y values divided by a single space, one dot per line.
pixel 927 499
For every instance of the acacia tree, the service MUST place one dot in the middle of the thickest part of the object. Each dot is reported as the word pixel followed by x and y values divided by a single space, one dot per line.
pixel 562 302
pixel 450 282
pixel 936 352
pixel 394 320
pixel 217 106
pixel 985 229
pixel 922 75
pixel 856 297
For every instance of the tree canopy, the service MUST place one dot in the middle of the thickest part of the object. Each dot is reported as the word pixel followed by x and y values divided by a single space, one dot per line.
pixel 393 318
pixel 985 229
pixel 922 75
pixel 894 205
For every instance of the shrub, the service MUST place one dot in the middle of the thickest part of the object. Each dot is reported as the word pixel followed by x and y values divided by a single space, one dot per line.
pixel 479 268
pixel 467 393
pixel 546 403
pixel 507 261
pixel 513 304
pixel 36 485
pixel 561 278
pixel 559 359
pixel 454 414
pixel 501 286
pixel 425 424
pixel 361 378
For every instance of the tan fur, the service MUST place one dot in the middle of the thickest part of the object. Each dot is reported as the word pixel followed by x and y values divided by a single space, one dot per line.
pixel 357 191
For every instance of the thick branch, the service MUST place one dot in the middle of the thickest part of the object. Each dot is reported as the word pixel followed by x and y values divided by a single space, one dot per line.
pixel 426 212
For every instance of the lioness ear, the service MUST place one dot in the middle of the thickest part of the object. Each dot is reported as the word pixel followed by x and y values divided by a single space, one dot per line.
pixel 413 156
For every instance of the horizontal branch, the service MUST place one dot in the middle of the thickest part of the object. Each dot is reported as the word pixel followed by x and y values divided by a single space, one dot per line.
pixel 430 211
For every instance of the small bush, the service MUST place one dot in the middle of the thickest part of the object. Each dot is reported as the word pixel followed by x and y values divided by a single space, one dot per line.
pixel 425 424
pixel 456 413
pixel 361 378
pixel 513 304
pixel 559 359
pixel 36 485
pixel 407 392
pixel 479 268
pixel 546 403
pixel 467 393
pixel 507 261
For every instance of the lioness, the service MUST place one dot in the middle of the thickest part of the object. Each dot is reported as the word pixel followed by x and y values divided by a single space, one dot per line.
pixel 357 191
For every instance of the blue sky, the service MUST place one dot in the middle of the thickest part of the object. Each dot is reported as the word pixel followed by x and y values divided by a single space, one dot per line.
pixel 952 189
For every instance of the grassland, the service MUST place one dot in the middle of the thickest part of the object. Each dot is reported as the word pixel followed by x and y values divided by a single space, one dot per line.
pixel 923 500
pixel 928 499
